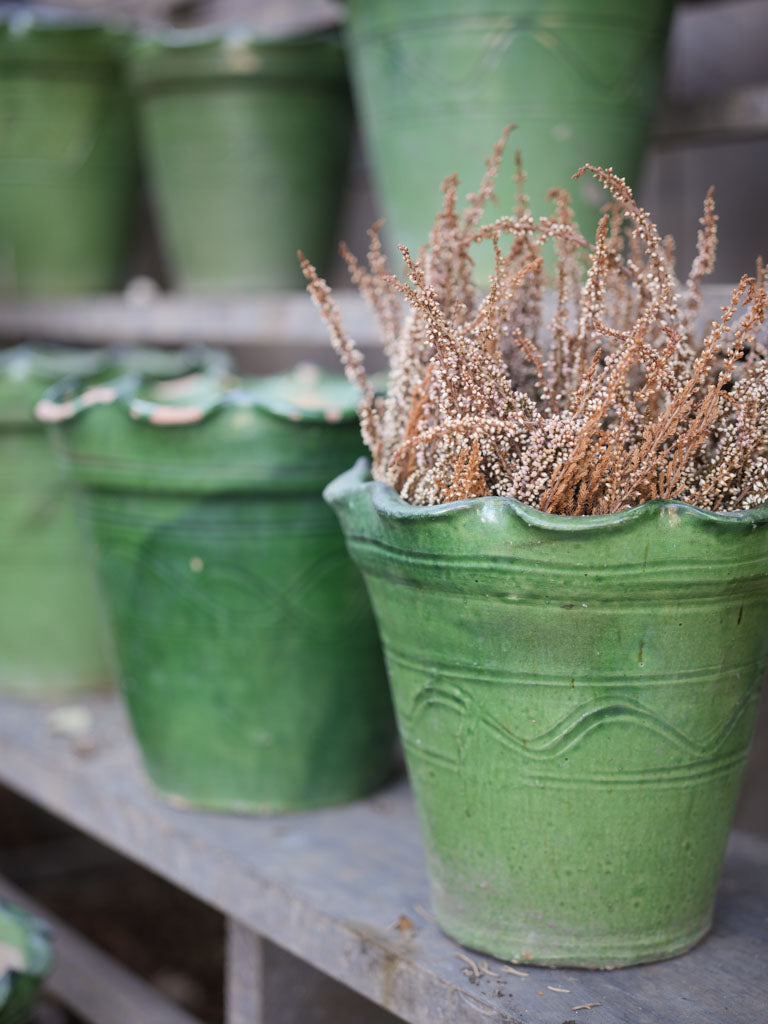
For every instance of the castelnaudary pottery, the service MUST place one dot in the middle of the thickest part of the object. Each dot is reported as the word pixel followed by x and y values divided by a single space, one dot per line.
pixel 245 142
pixel 579 78
pixel 25 959
pixel 67 155
pixel 576 697
pixel 52 639
pixel 247 651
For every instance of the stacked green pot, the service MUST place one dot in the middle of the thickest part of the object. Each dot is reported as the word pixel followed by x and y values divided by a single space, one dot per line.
pixel 245 142
pixel 437 81
pixel 576 698
pixel 25 959
pixel 51 631
pixel 52 640
pixel 246 647
pixel 67 156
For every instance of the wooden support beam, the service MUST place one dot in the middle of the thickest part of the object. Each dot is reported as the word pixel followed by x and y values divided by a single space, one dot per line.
pixel 244 978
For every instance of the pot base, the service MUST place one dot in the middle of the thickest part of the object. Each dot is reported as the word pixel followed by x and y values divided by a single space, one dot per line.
pixel 236 805
pixel 41 687
pixel 548 951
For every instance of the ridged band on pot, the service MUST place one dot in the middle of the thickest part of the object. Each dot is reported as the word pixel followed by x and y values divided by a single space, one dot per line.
pixel 67 155
pixel 576 698
pixel 51 625
pixel 579 78
pixel 246 647
pixel 26 944
pixel 246 144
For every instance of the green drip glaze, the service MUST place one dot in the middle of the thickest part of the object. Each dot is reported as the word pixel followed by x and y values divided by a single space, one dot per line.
pixel 246 647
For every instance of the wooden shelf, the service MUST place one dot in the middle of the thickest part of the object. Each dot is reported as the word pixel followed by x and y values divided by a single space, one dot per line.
pixel 330 887
pixel 282 319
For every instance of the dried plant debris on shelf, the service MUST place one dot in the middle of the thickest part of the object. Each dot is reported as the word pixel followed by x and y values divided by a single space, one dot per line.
pixel 614 399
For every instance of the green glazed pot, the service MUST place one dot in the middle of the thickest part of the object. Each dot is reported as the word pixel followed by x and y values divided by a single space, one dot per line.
pixel 436 82
pixel 26 950
pixel 246 144
pixel 51 630
pixel 576 698
pixel 246 647
pixel 67 157
pixel 52 641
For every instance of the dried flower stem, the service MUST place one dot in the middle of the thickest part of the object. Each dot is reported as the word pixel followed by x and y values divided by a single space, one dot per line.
pixel 612 403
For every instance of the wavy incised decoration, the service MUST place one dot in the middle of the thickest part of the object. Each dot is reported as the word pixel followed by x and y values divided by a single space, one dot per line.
pixel 573 728
pixel 550 34
pixel 235 590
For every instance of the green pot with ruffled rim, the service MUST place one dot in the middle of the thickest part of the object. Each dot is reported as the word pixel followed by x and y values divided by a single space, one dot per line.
pixel 52 641
pixel 25 959
pixel 245 141
pixel 247 651
pixel 67 154
pixel 576 698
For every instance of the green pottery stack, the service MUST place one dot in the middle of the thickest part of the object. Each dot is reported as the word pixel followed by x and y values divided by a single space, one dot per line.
pixel 25 959
pixel 437 81
pixel 52 639
pixel 67 156
pixel 576 698
pixel 246 647
pixel 245 142
pixel 51 631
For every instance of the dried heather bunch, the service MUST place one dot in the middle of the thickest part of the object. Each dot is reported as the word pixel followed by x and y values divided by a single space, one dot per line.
pixel 611 401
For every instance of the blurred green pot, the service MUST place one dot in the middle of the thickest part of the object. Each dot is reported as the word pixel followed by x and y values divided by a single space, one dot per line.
pixel 51 626
pixel 247 650
pixel 67 156
pixel 25 959
pixel 51 640
pixel 437 81
pixel 246 145
pixel 576 698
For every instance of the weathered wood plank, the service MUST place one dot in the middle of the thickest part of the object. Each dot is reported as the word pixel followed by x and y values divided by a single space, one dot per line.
pixel 329 887
pixel 93 984
pixel 169 319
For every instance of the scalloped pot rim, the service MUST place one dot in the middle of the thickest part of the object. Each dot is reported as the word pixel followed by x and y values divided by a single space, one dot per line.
pixel 63 402
pixel 20 20
pixel 494 510
pixel 151 42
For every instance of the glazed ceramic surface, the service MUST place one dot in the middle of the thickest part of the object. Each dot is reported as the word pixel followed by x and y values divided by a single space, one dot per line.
pixel 576 698
pixel 52 639
pixel 579 79
pixel 247 650
pixel 67 156
pixel 246 145
pixel 25 946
